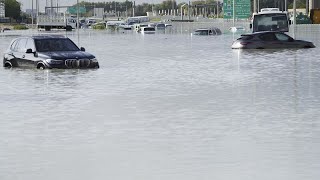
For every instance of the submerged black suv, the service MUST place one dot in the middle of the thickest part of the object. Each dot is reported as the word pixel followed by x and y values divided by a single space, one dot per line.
pixel 47 51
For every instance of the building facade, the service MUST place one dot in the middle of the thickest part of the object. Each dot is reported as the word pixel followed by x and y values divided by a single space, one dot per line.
pixel 2 9
pixel 313 4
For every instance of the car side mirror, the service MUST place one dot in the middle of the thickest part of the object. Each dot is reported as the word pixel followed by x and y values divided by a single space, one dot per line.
pixel 290 22
pixel 291 39
pixel 82 49
pixel 250 26
pixel 28 51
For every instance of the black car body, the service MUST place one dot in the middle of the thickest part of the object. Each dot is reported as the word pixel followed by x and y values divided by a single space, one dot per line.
pixel 269 40
pixel 47 51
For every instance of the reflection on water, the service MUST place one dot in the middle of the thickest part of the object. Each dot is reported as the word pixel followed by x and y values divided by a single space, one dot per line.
pixel 164 106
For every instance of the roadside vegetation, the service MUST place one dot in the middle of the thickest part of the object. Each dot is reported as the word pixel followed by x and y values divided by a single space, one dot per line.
pixel 13 7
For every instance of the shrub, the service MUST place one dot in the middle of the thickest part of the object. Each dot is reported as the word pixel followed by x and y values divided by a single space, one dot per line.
pixel 19 27
pixel 99 26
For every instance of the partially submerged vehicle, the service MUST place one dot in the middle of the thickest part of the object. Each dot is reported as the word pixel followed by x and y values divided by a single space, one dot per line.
pixel 49 22
pixel 47 51
pixel 208 31
pixel 270 19
pixel 269 40
pixel 237 29
pixel 148 30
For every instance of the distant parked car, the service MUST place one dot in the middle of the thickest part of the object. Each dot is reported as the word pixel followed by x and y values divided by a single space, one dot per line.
pixel 148 30
pixel 48 51
pixel 208 31
pixel 269 40
pixel 160 26
pixel 236 29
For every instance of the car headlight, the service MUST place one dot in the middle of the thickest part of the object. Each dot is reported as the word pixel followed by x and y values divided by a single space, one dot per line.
pixel 54 61
pixel 94 60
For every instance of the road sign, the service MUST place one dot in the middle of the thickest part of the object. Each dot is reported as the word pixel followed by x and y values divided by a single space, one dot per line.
pixel 242 9
pixel 73 10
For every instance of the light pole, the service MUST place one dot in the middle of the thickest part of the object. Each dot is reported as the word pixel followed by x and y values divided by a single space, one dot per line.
pixel 37 8
pixel 233 13
pixel 294 18
pixel 78 23
pixel 285 5
pixel 32 14
pixel 181 11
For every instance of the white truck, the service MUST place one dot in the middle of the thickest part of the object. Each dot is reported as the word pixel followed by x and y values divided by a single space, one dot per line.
pixel 49 22
pixel 270 19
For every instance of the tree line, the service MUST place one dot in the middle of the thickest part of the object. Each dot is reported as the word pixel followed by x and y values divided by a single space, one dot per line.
pixel 13 7
pixel 141 9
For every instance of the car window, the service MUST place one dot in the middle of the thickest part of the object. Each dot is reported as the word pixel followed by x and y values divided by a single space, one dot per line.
pixel 268 37
pixel 21 46
pixel 212 32
pixel 55 44
pixel 282 37
pixel 246 37
pixel 30 44
pixel 202 32
pixel 13 45
pixel 218 31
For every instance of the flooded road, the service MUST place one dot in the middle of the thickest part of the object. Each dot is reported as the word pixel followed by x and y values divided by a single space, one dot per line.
pixel 164 106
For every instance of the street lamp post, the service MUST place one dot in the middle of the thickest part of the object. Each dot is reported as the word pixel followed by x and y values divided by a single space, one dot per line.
pixel 294 18
pixel 181 11
pixel 233 13
pixel 32 14
pixel 78 23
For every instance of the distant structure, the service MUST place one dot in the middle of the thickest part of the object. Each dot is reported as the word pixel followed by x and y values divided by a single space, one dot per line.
pixel 2 10
pixel 313 4
pixel 3 18
pixel 98 12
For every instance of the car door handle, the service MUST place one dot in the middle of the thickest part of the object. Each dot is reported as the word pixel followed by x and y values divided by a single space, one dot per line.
pixel 23 56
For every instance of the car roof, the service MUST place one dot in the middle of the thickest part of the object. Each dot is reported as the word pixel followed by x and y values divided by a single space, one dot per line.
pixel 44 37
pixel 48 37
pixel 207 28
pixel 261 32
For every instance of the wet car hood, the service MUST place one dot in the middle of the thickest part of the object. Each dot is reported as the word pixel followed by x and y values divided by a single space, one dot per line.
pixel 63 55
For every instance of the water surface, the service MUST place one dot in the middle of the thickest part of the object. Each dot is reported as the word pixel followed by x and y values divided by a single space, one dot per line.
pixel 164 106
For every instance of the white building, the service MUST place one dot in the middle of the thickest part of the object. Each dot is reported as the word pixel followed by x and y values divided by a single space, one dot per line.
pixel 98 12
pixel 2 10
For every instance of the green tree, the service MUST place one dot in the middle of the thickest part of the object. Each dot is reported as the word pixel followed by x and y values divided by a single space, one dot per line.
pixel 12 9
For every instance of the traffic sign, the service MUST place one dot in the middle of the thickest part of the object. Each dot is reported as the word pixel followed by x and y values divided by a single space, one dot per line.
pixel 242 9
pixel 73 10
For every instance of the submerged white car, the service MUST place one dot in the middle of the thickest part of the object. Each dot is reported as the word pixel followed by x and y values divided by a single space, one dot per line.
pixel 269 40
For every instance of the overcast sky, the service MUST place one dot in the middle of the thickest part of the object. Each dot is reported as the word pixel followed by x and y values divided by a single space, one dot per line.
pixel 27 4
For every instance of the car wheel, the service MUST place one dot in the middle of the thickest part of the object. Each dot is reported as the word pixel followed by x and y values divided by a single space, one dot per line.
pixel 41 66
pixel 307 46
pixel 260 48
pixel 7 64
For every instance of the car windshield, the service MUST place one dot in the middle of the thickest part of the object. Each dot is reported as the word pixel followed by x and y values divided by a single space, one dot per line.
pixel 201 32
pixel 245 37
pixel 55 44
pixel 270 22
pixel 218 31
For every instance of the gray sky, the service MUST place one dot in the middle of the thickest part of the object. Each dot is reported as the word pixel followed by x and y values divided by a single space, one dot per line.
pixel 27 4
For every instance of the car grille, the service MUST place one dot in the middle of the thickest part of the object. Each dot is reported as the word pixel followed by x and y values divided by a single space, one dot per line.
pixel 78 63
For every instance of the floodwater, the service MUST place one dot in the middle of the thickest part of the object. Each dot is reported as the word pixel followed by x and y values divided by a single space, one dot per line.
pixel 166 106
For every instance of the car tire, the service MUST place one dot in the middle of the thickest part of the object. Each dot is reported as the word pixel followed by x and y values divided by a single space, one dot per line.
pixel 307 46
pixel 41 66
pixel 7 64
pixel 260 48
pixel 68 28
